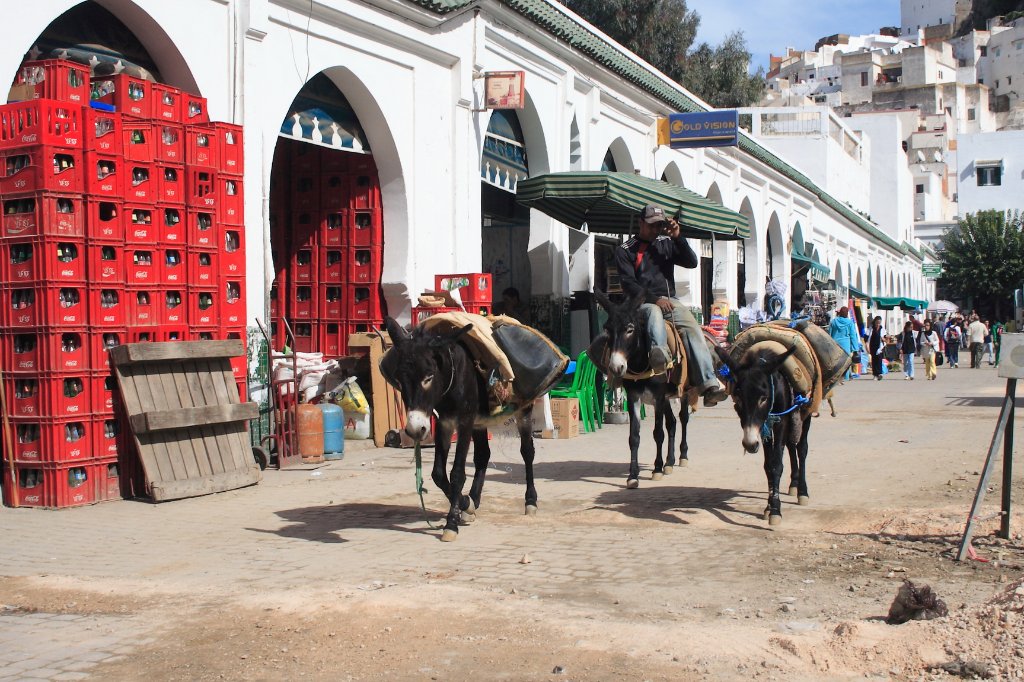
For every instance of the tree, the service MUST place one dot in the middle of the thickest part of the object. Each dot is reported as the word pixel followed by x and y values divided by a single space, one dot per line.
pixel 661 32
pixel 983 258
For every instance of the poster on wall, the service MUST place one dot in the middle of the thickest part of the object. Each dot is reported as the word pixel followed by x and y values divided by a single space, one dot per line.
pixel 504 90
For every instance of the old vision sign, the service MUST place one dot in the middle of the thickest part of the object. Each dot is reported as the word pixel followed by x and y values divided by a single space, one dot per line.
pixel 705 129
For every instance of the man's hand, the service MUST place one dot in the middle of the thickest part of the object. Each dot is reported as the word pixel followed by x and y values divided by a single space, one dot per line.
pixel 671 228
pixel 664 304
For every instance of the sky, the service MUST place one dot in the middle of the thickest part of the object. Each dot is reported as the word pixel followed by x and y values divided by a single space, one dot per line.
pixel 771 27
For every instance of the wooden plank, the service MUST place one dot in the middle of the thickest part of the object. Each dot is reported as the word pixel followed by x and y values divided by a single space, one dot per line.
pixel 239 446
pixel 175 490
pixel 221 447
pixel 165 397
pixel 202 440
pixel 193 416
pixel 172 351
pixel 155 456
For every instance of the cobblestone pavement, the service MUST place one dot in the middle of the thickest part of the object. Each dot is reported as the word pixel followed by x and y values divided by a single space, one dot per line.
pixel 356 524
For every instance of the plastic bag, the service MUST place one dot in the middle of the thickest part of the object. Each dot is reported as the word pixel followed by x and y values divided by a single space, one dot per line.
pixel 351 398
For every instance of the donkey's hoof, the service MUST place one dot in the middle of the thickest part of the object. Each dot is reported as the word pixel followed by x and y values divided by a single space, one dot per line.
pixel 803 500
pixel 466 518
pixel 470 506
pixel 531 510
pixel 792 491
pixel 668 470
pixel 684 462
pixel 765 514
pixel 657 476
pixel 775 520
pixel 449 535
pixel 632 483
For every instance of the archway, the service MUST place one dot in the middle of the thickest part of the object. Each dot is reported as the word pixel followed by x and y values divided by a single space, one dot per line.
pixel 775 259
pixel 714 264
pixel 618 158
pixel 747 252
pixel 575 147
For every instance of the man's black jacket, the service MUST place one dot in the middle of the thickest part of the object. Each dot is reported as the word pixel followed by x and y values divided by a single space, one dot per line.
pixel 654 278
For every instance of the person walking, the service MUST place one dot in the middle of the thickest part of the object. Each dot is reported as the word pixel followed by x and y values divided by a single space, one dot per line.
pixel 876 345
pixel 988 351
pixel 928 339
pixel 908 348
pixel 976 338
pixel 843 331
pixel 998 328
pixel 953 344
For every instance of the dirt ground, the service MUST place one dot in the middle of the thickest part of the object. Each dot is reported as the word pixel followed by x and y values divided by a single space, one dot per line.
pixel 686 582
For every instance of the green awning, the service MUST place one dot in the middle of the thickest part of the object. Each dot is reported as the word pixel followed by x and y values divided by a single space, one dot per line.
pixel 819 272
pixel 857 293
pixel 904 302
pixel 611 202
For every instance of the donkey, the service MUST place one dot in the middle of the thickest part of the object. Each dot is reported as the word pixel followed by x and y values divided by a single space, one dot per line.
pixel 622 352
pixel 771 413
pixel 436 375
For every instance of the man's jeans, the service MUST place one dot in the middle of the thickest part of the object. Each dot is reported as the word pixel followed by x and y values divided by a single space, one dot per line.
pixel 976 349
pixel 908 364
pixel 701 368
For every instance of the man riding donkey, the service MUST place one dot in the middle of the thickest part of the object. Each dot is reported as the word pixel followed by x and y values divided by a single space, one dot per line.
pixel 645 264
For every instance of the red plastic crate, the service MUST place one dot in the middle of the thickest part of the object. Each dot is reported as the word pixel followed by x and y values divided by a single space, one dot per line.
pixel 101 131
pixel 231 200
pixel 173 305
pixel 41 121
pixel 421 313
pixel 201 188
pixel 230 142
pixel 333 229
pixel 46 350
pixel 203 267
pixel 478 308
pixel 232 258
pixel 53 486
pixel 363 302
pixel 100 343
pixel 144 307
pixel 42 260
pixel 106 264
pixel 276 304
pixel 141 227
pixel 243 390
pixel 203 307
pixel 172 332
pixel 106 479
pixel 193 109
pixel 139 140
pixel 106 175
pixel 204 333
pixel 58 79
pixel 104 392
pixel 332 302
pixel 41 168
pixel 332 265
pixel 334 191
pixel 40 214
pixel 303 229
pixel 173 267
pixel 301 303
pixel 166 103
pixel 143 266
pixel 364 192
pixel 106 436
pixel 304 267
pixel 334 339
pixel 365 228
pixel 142 334
pixel 304 158
pixel 170 184
pixel 364 264
pixel 335 162
pixel 305 195
pixel 129 95
pixel 104 220
pixel 201 146
pixel 231 306
pixel 362 164
pixel 169 143
pixel 108 306
pixel 362 327
pixel 201 229
pixel 141 183
pixel 52 440
pixel 172 224
pixel 48 395
pixel 474 287
pixel 43 305
pixel 306 336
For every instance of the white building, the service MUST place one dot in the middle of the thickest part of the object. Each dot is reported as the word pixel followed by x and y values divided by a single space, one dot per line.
pixel 408 71
pixel 917 15
pixel 991 171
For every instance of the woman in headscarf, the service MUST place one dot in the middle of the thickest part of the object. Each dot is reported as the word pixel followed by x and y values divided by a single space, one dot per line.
pixel 843 331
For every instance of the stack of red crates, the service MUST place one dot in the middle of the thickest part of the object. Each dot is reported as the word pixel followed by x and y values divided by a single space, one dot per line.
pixel 95 252
pixel 474 291
pixel 328 242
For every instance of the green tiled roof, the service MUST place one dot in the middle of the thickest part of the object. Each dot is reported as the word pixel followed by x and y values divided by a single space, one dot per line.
pixel 623 63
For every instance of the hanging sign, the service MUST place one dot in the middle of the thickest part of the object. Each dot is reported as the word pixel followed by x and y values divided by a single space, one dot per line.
pixel 504 90
pixel 932 270
pixel 706 129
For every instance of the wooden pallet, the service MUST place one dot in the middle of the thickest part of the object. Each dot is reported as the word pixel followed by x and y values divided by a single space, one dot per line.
pixel 185 416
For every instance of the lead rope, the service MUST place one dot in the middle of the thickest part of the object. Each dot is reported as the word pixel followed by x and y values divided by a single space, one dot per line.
pixel 419 486
pixel 773 418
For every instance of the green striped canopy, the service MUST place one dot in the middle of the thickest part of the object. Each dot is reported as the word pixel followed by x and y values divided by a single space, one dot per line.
pixel 904 302
pixel 612 203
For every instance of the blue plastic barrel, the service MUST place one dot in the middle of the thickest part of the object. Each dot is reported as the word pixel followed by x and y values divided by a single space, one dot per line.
pixel 334 431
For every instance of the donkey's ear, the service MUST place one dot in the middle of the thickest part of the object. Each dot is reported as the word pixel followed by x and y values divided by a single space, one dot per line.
pixel 603 300
pixel 726 358
pixel 637 301
pixel 395 331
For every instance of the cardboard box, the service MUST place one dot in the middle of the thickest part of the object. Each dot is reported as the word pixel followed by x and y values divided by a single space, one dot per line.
pixel 565 414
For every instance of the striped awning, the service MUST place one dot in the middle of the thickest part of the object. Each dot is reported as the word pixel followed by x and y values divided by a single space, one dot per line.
pixel 904 302
pixel 857 293
pixel 819 272
pixel 611 203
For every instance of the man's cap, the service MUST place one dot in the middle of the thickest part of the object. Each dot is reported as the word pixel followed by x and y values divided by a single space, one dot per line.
pixel 654 214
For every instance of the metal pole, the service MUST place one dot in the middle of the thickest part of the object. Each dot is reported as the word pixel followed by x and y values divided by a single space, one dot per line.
pixel 1011 397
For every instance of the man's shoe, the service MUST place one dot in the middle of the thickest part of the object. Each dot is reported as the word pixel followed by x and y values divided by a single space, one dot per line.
pixel 714 392
pixel 658 359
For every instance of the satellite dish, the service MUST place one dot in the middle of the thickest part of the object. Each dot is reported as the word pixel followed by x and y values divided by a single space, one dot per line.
pixel 937 156
pixel 920 156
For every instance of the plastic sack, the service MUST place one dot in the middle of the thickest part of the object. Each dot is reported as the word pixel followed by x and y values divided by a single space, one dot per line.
pixel 358 426
pixel 351 398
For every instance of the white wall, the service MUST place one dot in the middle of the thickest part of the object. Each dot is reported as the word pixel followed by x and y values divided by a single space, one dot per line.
pixel 1007 146
pixel 892 185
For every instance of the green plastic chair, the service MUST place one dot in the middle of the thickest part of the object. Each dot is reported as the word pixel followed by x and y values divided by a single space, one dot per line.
pixel 583 387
